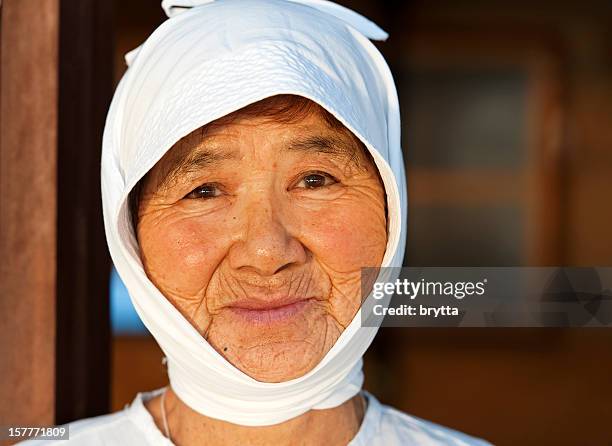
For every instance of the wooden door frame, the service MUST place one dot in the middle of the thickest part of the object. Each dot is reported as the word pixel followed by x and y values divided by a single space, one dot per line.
pixel 83 322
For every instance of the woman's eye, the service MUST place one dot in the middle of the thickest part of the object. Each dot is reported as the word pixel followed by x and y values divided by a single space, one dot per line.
pixel 208 190
pixel 316 180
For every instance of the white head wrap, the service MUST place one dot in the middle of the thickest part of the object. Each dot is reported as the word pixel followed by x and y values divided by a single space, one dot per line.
pixel 211 58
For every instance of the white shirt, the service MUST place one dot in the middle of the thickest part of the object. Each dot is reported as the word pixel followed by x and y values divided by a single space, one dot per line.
pixel 382 426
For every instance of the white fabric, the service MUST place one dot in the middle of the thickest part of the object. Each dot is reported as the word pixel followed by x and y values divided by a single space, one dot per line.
pixel 204 63
pixel 382 426
pixel 367 27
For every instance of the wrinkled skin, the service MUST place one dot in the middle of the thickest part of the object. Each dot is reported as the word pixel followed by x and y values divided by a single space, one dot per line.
pixel 229 241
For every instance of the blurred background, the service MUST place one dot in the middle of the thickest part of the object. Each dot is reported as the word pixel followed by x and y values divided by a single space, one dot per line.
pixel 507 135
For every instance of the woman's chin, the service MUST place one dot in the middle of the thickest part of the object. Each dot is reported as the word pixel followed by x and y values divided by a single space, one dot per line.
pixel 276 352
pixel 277 362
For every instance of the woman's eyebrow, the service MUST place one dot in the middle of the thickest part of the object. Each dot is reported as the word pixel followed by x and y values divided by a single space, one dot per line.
pixel 201 158
pixel 337 147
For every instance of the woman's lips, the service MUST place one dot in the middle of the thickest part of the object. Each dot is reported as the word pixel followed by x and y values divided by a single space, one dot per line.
pixel 262 312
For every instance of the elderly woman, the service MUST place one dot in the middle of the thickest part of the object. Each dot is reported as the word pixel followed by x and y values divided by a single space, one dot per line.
pixel 251 167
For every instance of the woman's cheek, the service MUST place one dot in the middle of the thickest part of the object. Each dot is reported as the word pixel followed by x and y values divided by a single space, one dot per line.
pixel 347 249
pixel 185 252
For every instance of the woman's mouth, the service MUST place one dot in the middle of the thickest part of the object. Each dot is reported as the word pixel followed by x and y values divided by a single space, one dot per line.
pixel 267 312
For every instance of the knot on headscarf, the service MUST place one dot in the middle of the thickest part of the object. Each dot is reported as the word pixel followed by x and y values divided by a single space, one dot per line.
pixel 362 24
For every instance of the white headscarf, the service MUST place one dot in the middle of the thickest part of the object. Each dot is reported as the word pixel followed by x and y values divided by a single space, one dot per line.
pixel 211 58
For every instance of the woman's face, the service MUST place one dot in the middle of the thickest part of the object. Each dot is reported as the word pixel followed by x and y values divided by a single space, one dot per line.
pixel 256 231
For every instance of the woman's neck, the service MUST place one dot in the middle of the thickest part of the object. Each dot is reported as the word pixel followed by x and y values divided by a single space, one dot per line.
pixel 336 426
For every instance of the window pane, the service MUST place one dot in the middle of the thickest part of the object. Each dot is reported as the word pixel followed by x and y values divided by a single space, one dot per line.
pixel 464 236
pixel 458 118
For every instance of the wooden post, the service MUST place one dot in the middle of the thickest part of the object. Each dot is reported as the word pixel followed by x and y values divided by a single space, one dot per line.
pixel 28 150
pixel 55 87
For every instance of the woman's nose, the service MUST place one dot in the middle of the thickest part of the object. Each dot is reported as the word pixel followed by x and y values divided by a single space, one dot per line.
pixel 266 245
